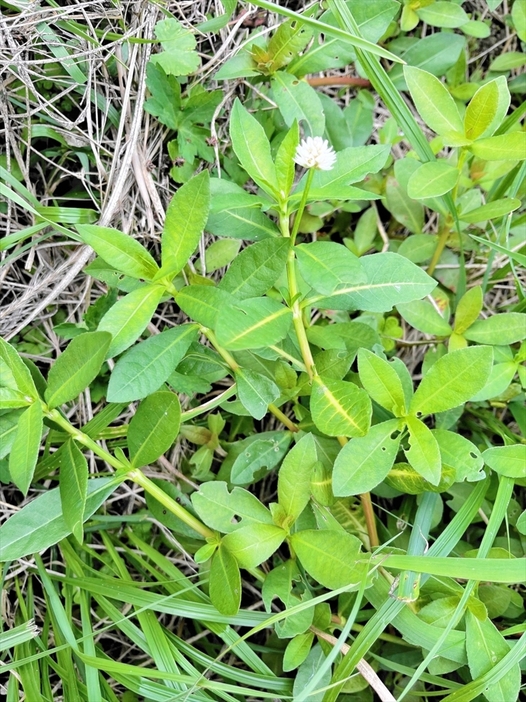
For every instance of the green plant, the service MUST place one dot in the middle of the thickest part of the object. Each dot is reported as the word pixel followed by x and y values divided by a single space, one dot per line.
pixel 286 363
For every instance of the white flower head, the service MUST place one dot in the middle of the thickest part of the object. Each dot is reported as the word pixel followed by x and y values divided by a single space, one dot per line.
pixel 315 152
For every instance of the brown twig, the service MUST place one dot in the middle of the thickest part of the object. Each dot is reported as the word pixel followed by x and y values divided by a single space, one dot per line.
pixel 340 80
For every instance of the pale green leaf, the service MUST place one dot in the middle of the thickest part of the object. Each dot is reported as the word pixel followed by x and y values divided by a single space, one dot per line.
pixel 253 544
pixel 25 448
pixel 145 367
pixel 381 381
pixel 328 267
pixel 294 479
pixel 453 380
pixel 340 408
pixel 443 14
pixel 21 376
pixel 487 108
pixel 499 329
pixel 256 269
pixel 505 147
pixel 129 317
pixel 179 57
pixel 468 309
pixel 77 367
pixel 226 511
pixel 121 251
pixel 225 582
pixel 153 428
pixel 432 179
pixel 330 557
pixel 422 315
pixel 298 102
pixel 433 101
pixel 492 210
pixel 364 462
pixel 507 460
pixel 423 453
pixel 253 323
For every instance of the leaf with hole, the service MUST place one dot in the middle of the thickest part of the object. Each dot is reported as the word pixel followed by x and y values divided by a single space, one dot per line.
pixel 251 545
pixel 227 511
pixel 364 462
pixel 423 453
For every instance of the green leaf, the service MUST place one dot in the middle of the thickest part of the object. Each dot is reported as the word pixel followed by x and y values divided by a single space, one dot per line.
pixel 390 280
pixel 423 453
pixel 10 399
pixel 179 57
pixel 253 544
pixel 433 102
pixel 153 428
pixel 468 309
pixel 298 102
pixel 129 317
pixel 297 651
pixel 8 426
pixel 404 478
pixel 364 462
pixel 252 148
pixel 505 147
pixel 165 99
pixel 327 266
pixel 256 269
pixel 145 367
pixel 453 380
pixel 73 486
pixel 507 460
pixel 289 40
pixel 255 391
pixel 352 165
pixel 431 180
pixel 294 479
pixel 234 211
pixel 330 557
pixel 121 251
pixel 185 220
pixel 422 315
pixel 487 109
pixel 518 16
pixel 263 450
pixel 40 523
pixel 460 454
pixel 220 253
pixel 382 382
pixel 492 210
pixel 285 166
pixel 435 53
pixel 312 666
pixel 227 512
pixel 25 448
pixel 500 329
pixel 404 209
pixel 443 14
pixel 485 647
pixel 203 303
pixel 500 377
pixel 21 376
pixel 340 408
pixel 253 323
pixel 225 582
pixel 77 367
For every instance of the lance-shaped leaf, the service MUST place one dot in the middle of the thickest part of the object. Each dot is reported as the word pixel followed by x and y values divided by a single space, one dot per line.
pixel 504 147
pixel 73 486
pixel 41 523
pixel 24 452
pixel 327 266
pixel 253 323
pixel 21 376
pixel 423 453
pixel 453 380
pixel 225 582
pixel 8 426
pixel 507 460
pixel 253 544
pixel 340 408
pixel 298 101
pixel 433 102
pixel 121 251
pixel 381 381
pixel 185 220
pixel 129 317
pixel 487 108
pixel 499 329
pixel 153 428
pixel 256 269
pixel 77 367
pixel 264 450
pixel 203 303
pixel 294 480
pixel 432 179
pixel 330 557
pixel 255 391
pixel 364 462
pixel 252 148
pixel 390 280
pixel 145 367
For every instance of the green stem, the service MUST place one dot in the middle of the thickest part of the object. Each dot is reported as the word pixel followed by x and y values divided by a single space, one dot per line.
pixel 301 208
pixel 150 487
pixel 441 245
pixel 135 474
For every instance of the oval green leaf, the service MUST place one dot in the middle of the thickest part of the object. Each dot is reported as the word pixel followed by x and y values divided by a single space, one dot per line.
pixel 153 428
